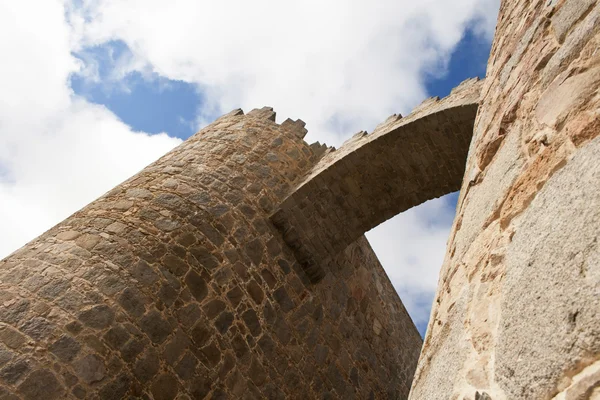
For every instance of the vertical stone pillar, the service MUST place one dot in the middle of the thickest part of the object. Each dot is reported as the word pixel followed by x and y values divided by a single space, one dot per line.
pixel 517 315
pixel 175 285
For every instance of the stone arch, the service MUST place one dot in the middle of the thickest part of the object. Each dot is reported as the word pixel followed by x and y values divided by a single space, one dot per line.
pixel 373 177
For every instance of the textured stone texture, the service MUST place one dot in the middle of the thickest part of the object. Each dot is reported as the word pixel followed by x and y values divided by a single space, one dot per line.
pixel 235 266
pixel 373 177
pixel 175 285
pixel 517 315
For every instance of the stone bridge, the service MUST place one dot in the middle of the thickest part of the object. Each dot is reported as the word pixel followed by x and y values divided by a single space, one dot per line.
pixel 372 177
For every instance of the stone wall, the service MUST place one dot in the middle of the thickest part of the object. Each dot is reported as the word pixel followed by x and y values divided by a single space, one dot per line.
pixel 176 285
pixel 517 313
pixel 373 177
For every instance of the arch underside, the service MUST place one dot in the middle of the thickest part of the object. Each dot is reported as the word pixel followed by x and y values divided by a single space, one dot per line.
pixel 373 177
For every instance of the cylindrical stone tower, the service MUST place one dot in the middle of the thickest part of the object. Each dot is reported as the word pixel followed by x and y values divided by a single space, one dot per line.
pixel 176 285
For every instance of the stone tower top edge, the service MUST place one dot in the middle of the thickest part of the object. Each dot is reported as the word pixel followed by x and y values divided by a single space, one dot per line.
pixel 296 128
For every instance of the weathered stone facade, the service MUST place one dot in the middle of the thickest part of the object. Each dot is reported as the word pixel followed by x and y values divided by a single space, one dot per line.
pixel 176 285
pixel 517 313
pixel 235 266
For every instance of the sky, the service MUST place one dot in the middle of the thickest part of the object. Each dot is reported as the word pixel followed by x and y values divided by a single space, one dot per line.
pixel 93 91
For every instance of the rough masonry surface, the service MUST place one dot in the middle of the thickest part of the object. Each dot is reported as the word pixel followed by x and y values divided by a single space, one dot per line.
pixel 235 266
pixel 175 285
pixel 517 312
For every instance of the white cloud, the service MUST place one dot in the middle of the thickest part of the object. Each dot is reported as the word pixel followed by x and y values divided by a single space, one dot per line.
pixel 411 247
pixel 340 65
pixel 57 151
pixel 349 62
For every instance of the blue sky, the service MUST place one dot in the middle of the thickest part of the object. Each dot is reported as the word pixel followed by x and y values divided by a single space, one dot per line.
pixel 154 104
pixel 468 60
pixel 151 104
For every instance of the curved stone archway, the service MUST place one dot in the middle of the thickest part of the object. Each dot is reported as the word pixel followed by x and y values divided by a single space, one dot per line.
pixel 373 177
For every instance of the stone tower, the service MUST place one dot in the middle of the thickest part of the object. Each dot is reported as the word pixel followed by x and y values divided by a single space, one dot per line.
pixel 176 285
pixel 236 266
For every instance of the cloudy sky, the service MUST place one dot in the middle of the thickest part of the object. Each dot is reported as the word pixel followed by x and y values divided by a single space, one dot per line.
pixel 94 90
